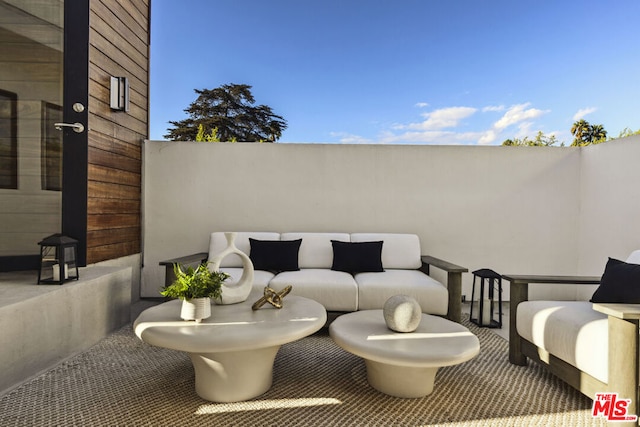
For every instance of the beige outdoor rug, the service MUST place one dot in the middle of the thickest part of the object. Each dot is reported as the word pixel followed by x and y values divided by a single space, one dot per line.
pixel 124 382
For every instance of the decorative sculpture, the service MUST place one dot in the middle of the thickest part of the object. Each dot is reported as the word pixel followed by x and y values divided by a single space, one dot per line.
pixel 272 297
pixel 232 294
pixel 402 313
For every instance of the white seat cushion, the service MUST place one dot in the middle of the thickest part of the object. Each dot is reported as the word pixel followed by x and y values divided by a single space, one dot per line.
pixel 634 257
pixel 398 250
pixel 261 278
pixel 316 250
pixel 374 289
pixel 335 290
pixel 570 330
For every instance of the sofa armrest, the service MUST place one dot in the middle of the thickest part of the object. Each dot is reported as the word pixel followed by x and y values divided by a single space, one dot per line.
pixel 193 259
pixel 519 292
pixel 454 283
pixel 620 311
pixel 624 348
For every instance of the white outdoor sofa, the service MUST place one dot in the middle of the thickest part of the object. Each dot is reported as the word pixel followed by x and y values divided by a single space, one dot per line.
pixel 406 271
pixel 593 346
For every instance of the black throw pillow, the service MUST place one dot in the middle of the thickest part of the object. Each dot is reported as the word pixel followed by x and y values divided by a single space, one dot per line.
pixel 275 255
pixel 357 257
pixel 620 283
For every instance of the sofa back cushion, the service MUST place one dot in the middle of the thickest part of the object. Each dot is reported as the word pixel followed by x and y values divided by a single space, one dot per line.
pixel 316 250
pixel 398 250
pixel 218 243
pixel 634 257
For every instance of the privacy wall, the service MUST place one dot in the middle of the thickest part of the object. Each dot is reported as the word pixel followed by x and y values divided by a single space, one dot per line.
pixel 610 204
pixel 512 209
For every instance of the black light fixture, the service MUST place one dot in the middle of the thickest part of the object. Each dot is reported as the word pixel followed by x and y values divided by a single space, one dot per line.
pixel 119 94
pixel 487 305
pixel 58 260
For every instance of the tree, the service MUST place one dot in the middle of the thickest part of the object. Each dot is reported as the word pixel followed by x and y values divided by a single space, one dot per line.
pixel 210 137
pixel 541 140
pixel 585 133
pixel 578 130
pixel 229 113
pixel 628 132
pixel 597 134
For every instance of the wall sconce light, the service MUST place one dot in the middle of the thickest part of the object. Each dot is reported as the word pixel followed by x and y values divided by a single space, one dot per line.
pixel 120 94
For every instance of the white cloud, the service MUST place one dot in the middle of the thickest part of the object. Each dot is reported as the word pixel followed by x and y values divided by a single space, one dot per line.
pixel 421 104
pixel 583 112
pixel 493 108
pixel 526 129
pixel 440 119
pixel 445 127
pixel 431 137
pixel 413 137
pixel 347 138
pixel 519 115
pixel 516 114
pixel 488 137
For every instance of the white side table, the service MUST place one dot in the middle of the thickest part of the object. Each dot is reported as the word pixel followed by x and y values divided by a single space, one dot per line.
pixel 403 364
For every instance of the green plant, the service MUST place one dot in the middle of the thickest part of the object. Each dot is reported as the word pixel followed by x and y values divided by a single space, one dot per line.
pixel 195 283
pixel 203 137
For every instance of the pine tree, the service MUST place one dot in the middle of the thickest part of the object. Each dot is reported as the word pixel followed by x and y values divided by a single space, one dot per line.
pixel 230 109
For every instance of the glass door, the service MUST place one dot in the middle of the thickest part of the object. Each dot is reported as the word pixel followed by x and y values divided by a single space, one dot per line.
pixel 31 148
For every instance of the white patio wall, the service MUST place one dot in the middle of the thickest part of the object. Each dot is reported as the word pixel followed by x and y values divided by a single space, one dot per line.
pixel 512 209
pixel 610 205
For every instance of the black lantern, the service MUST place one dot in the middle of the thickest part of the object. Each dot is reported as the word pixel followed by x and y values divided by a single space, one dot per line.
pixel 486 305
pixel 58 260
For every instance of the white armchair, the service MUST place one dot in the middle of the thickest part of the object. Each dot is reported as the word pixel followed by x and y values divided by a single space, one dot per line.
pixel 593 346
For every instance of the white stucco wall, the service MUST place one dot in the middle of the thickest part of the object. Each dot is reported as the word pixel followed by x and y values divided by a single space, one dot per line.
pixel 610 204
pixel 512 209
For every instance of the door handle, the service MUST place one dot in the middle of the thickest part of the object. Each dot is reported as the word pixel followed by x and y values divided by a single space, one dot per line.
pixel 77 127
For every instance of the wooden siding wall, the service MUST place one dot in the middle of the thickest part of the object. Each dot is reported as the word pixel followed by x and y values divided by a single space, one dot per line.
pixel 118 46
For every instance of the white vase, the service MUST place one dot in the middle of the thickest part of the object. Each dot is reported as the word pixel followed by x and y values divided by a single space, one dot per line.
pixel 232 294
pixel 196 309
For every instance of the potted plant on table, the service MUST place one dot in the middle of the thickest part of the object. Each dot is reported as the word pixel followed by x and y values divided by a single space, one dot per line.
pixel 195 287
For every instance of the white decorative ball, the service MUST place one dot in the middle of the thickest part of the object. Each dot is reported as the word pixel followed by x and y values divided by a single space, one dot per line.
pixel 402 313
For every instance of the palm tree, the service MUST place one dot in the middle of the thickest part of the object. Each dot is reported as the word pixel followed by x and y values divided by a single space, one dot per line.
pixel 580 130
pixel 597 134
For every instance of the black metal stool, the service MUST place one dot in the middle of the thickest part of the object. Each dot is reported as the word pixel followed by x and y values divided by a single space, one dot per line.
pixel 486 305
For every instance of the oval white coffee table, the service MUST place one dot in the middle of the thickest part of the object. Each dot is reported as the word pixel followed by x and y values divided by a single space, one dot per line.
pixel 403 364
pixel 232 351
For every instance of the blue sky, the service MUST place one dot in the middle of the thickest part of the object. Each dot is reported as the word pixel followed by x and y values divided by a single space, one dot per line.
pixel 405 71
